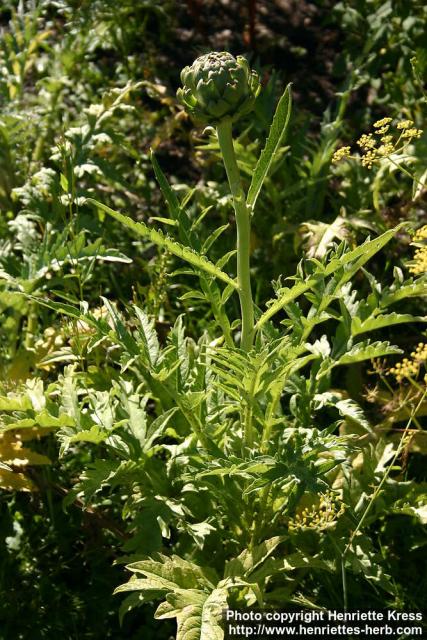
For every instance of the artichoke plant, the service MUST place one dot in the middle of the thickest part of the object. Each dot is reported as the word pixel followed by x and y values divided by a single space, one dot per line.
pixel 218 86
pixel 217 89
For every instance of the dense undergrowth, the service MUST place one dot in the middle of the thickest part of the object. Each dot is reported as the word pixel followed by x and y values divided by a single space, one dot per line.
pixel 137 429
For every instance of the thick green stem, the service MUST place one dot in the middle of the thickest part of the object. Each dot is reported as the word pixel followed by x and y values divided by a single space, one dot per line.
pixel 243 222
pixel 32 323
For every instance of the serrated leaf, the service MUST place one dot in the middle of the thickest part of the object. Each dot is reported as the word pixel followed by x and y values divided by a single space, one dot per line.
pixel 191 595
pixel 249 560
pixel 198 261
pixel 175 571
pixel 359 256
pixel 198 614
pixel 287 295
pixel 203 620
pixel 368 351
pixel 144 585
pixel 417 288
pixel 95 434
pixel 149 336
pixel 276 135
pixel 347 407
pixel 379 322
pixel 97 476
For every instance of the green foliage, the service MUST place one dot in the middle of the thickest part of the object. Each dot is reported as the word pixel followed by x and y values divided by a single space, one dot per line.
pixel 274 141
pixel 147 447
pixel 196 260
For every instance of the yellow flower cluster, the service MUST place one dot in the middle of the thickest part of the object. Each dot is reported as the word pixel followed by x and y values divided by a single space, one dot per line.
pixel 380 144
pixel 366 141
pixel 321 515
pixel 419 264
pixel 412 133
pixel 405 124
pixel 420 234
pixel 341 153
pixel 381 123
pixel 367 144
pixel 368 159
pixel 386 149
pixel 410 367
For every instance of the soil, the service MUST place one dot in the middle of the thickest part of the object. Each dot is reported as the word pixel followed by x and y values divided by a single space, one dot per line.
pixel 296 37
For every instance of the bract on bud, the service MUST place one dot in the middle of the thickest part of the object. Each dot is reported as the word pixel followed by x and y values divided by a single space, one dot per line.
pixel 218 86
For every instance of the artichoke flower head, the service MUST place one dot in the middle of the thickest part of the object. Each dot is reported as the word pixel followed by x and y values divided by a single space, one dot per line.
pixel 218 86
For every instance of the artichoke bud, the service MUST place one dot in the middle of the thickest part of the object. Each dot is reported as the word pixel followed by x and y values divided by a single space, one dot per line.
pixel 218 86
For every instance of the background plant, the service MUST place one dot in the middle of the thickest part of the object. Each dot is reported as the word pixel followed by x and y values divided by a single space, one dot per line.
pixel 106 391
